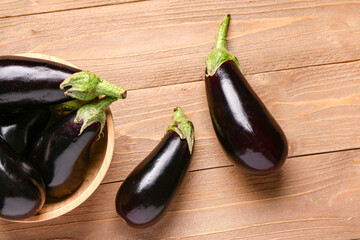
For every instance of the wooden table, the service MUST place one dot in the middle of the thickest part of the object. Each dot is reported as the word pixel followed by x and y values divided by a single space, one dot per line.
pixel 301 57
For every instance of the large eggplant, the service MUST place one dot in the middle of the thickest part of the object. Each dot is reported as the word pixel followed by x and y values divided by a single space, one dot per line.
pixel 22 129
pixel 248 133
pixel 22 192
pixel 145 195
pixel 25 83
pixel 61 153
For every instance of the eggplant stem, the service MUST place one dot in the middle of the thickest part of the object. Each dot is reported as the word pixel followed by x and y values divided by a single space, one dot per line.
pixel 183 127
pixel 220 54
pixel 111 90
pixel 86 86
pixel 221 35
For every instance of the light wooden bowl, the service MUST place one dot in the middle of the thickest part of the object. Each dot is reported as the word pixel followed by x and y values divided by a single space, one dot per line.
pixel 100 158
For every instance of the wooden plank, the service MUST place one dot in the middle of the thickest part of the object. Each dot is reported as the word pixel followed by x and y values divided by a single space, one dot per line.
pixel 27 7
pixel 154 43
pixel 317 107
pixel 313 197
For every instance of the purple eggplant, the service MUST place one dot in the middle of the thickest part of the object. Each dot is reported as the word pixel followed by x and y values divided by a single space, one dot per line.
pixel 25 83
pixel 145 195
pixel 61 153
pixel 22 192
pixel 248 133
pixel 22 129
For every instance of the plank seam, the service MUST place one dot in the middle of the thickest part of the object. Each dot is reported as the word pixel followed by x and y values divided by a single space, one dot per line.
pixel 231 165
pixel 253 74
pixel 72 9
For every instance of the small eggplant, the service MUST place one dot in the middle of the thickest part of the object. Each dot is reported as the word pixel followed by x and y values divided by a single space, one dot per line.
pixel 61 153
pixel 26 83
pixel 22 192
pixel 22 129
pixel 145 195
pixel 248 133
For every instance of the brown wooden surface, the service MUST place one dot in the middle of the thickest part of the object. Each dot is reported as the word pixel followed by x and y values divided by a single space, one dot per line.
pixel 301 57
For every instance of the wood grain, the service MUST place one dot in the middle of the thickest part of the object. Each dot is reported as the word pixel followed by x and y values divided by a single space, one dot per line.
pixel 314 197
pixel 154 43
pixel 317 107
pixel 28 7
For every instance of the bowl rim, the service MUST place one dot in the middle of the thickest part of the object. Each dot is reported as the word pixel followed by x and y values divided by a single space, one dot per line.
pixel 99 176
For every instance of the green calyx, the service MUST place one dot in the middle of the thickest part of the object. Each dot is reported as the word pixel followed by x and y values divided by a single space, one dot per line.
pixel 60 110
pixel 86 86
pixel 93 112
pixel 183 127
pixel 65 107
pixel 220 54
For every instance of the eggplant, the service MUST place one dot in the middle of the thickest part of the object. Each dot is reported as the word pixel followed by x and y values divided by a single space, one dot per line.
pixel 61 154
pixel 22 192
pixel 247 132
pixel 145 195
pixel 22 129
pixel 25 83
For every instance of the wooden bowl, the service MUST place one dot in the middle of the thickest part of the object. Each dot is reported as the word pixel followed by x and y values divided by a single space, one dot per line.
pixel 100 158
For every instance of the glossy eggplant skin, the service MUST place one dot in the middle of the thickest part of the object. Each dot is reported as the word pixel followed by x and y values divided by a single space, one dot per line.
pixel 145 195
pixel 22 129
pixel 22 192
pixel 61 155
pixel 248 133
pixel 26 83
